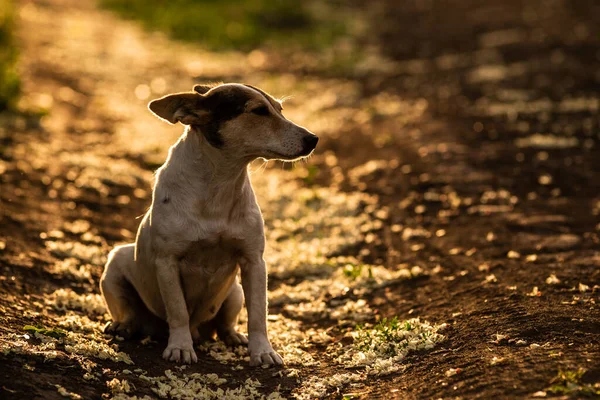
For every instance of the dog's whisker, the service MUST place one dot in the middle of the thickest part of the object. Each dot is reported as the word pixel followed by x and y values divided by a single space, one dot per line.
pixel 264 165
pixel 261 167
pixel 285 98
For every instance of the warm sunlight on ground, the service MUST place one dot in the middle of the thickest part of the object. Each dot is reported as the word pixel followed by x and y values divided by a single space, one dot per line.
pixel 442 240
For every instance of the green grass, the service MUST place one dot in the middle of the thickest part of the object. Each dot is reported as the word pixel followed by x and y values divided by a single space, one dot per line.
pixel 385 331
pixel 9 79
pixel 55 333
pixel 237 24
pixel 354 271
pixel 570 383
pixel 392 336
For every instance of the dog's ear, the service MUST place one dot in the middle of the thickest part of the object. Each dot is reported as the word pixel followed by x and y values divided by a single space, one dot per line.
pixel 180 107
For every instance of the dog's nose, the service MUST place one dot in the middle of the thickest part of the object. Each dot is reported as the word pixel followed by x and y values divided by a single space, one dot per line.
pixel 310 141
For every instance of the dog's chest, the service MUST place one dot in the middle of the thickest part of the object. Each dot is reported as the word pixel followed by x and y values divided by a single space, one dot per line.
pixel 207 271
pixel 214 248
pixel 217 234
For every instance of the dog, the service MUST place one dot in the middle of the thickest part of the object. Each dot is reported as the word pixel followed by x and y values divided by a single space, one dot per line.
pixel 204 226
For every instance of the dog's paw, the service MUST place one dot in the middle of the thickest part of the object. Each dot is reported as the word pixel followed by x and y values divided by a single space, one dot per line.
pixel 180 353
pixel 263 354
pixel 234 338
pixel 124 329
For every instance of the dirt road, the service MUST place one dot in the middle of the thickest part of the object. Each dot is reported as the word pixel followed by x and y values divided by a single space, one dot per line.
pixel 456 182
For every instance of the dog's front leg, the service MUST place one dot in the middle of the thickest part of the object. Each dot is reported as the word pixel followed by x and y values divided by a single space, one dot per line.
pixel 180 347
pixel 254 282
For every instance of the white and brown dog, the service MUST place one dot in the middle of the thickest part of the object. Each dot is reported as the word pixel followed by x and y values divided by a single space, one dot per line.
pixel 204 225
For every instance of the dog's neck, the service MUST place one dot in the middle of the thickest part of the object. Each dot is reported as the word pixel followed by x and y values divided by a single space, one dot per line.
pixel 215 165
pixel 213 179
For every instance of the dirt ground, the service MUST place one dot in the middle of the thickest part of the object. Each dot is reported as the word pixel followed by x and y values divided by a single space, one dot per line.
pixel 465 144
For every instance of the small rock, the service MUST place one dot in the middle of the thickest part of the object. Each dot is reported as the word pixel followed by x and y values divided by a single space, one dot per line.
pixel 513 254
pixel 583 288
pixel 496 360
pixel 531 258
pixel 499 338
pixel 452 372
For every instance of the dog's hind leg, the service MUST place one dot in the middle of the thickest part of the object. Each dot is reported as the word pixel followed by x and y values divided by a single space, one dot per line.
pixel 129 314
pixel 204 332
pixel 227 317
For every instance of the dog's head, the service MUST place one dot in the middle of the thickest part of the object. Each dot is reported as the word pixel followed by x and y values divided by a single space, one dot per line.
pixel 240 119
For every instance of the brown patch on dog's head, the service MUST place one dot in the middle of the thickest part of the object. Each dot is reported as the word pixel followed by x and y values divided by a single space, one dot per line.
pixel 243 119
pixel 204 108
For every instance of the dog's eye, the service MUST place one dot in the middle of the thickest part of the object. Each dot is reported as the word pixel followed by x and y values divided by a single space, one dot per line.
pixel 262 110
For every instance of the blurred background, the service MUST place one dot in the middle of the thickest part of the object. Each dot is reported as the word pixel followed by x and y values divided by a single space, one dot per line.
pixel 458 150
